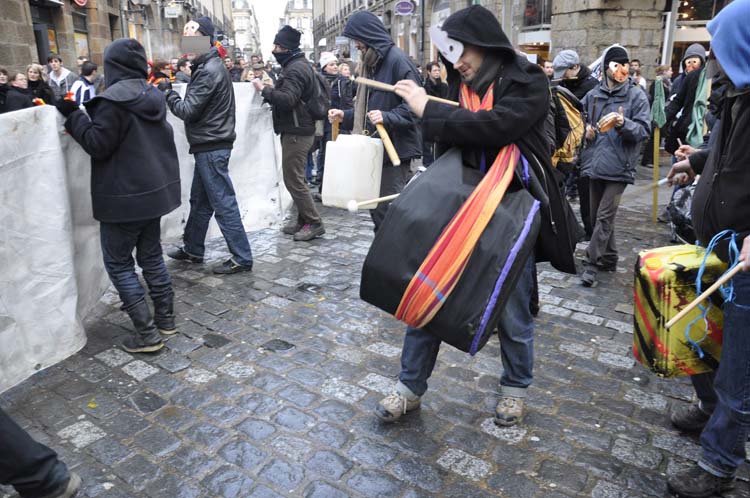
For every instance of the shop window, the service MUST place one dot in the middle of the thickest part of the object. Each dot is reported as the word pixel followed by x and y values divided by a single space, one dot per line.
pixel 80 34
pixel 699 10
pixel 537 12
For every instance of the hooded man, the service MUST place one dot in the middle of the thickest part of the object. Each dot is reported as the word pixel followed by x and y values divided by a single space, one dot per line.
pixel 293 121
pixel 208 113
pixel 481 62
pixel 611 154
pixel 694 58
pixel 679 109
pixel 721 203
pixel 135 180
pixel 384 62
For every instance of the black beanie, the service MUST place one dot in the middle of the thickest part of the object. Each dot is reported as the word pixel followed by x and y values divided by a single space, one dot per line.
pixel 287 37
pixel 206 26
pixel 616 54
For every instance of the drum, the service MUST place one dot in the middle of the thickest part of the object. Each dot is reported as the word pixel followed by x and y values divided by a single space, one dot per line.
pixel 353 167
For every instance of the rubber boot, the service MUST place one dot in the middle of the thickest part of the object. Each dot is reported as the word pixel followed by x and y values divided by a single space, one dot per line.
pixel 164 314
pixel 146 338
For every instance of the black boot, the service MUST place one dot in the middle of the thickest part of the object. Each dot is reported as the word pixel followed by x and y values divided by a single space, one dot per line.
pixel 697 483
pixel 146 338
pixel 164 313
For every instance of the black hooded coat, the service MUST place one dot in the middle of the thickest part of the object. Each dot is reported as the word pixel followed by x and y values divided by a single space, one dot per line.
pixel 521 103
pixel 393 66
pixel 135 173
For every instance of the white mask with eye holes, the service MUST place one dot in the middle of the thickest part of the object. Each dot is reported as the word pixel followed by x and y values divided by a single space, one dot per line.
pixel 448 47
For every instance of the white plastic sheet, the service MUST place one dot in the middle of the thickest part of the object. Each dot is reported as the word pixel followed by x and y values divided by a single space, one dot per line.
pixel 51 274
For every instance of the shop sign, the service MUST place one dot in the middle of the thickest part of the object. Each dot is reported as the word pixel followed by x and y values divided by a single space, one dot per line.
pixel 404 8
pixel 172 11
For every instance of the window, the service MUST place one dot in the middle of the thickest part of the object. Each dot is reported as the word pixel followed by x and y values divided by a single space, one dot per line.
pixel 699 10
pixel 80 34
pixel 537 12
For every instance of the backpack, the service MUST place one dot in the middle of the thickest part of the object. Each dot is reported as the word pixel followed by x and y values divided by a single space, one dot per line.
pixel 569 128
pixel 320 97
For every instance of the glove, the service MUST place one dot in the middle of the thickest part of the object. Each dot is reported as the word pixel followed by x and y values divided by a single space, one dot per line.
pixel 165 85
pixel 66 107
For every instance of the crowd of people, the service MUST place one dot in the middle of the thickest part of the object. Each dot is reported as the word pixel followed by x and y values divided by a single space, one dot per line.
pixel 503 100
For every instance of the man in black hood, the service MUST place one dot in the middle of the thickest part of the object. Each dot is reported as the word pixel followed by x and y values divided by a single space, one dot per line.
pixel 208 113
pixel 135 180
pixel 481 62
pixel 382 61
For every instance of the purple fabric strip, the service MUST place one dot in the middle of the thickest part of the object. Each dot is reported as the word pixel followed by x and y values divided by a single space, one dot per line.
pixel 525 171
pixel 503 275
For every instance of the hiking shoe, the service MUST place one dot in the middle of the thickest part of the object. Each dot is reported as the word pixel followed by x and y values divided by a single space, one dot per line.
pixel 309 232
pixel 229 267
pixel 689 418
pixel 291 228
pixel 70 489
pixel 588 279
pixel 180 255
pixel 509 411
pixel 136 345
pixel 393 406
pixel 698 483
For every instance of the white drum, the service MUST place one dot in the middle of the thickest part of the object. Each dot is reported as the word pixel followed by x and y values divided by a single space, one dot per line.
pixel 354 165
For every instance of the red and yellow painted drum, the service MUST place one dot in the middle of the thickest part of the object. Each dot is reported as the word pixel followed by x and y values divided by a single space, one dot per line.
pixel 664 285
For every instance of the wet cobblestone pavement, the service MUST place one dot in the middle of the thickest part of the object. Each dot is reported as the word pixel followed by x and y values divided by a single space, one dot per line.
pixel 268 391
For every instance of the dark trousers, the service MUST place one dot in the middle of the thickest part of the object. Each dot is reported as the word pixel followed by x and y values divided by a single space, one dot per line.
pixel 393 181
pixel 605 199
pixel 30 467
pixel 584 198
pixel 118 241
pixel 294 150
pixel 428 153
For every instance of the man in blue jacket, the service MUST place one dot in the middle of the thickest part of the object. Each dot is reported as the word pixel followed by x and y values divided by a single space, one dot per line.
pixel 611 154
pixel 382 61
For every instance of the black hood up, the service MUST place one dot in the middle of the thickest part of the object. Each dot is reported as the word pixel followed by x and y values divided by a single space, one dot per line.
pixel 366 27
pixel 124 59
pixel 478 26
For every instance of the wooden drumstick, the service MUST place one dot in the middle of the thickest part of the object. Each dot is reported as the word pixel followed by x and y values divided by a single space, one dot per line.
pixel 353 206
pixel 389 148
pixel 392 88
pixel 335 130
pixel 724 278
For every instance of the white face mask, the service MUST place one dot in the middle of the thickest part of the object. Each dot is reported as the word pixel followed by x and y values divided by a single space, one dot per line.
pixel 448 47
pixel 190 29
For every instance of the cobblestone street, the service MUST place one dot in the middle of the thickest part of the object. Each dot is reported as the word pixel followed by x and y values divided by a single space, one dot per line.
pixel 269 387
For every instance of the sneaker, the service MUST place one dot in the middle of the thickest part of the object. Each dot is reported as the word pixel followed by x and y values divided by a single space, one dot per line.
pixel 588 279
pixel 70 489
pixel 509 411
pixel 291 228
pixel 698 483
pixel 229 267
pixel 610 267
pixel 309 232
pixel 393 406
pixel 689 418
pixel 180 255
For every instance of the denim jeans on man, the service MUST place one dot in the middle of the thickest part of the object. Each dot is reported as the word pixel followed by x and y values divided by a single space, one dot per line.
pixel 516 329
pixel 30 467
pixel 724 437
pixel 212 194
pixel 118 241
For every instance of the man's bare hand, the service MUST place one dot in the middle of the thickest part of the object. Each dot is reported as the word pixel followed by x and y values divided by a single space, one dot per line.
pixel 681 173
pixel 335 115
pixel 745 254
pixel 414 95
pixel 258 84
pixel 376 117
pixel 684 152
pixel 590 132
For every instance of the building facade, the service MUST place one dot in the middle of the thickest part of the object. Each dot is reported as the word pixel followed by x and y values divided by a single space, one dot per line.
pixel 246 29
pixel 32 29
pixel 299 15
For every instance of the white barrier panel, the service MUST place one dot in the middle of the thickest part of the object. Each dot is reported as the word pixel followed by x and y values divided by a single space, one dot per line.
pixel 51 271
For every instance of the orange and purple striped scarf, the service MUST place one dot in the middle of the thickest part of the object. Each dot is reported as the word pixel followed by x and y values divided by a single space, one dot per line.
pixel 445 263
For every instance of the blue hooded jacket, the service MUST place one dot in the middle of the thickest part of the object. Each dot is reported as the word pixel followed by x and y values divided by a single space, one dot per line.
pixel 730 41
pixel 393 66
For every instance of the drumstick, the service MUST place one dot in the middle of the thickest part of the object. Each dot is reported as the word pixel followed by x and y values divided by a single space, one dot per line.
pixel 389 148
pixel 335 130
pixel 353 206
pixel 391 88
pixel 645 188
pixel 724 278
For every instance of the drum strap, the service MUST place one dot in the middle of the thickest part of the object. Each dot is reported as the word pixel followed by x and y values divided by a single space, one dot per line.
pixel 442 268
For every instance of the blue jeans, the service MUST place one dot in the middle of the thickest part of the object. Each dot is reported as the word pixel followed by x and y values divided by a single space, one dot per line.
pixel 118 241
pixel 212 194
pixel 30 467
pixel 723 439
pixel 516 331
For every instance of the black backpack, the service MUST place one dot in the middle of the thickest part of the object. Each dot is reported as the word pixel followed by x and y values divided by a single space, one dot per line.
pixel 320 97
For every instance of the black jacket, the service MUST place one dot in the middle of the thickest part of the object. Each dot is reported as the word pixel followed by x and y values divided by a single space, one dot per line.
pixel 683 101
pixel 581 85
pixel 17 99
pixel 342 94
pixel 41 90
pixel 287 98
pixel 521 104
pixel 722 196
pixel 208 106
pixel 135 173
pixel 393 66
pixel 436 89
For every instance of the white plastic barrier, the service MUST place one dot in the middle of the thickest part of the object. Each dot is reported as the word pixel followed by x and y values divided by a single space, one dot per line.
pixel 51 274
